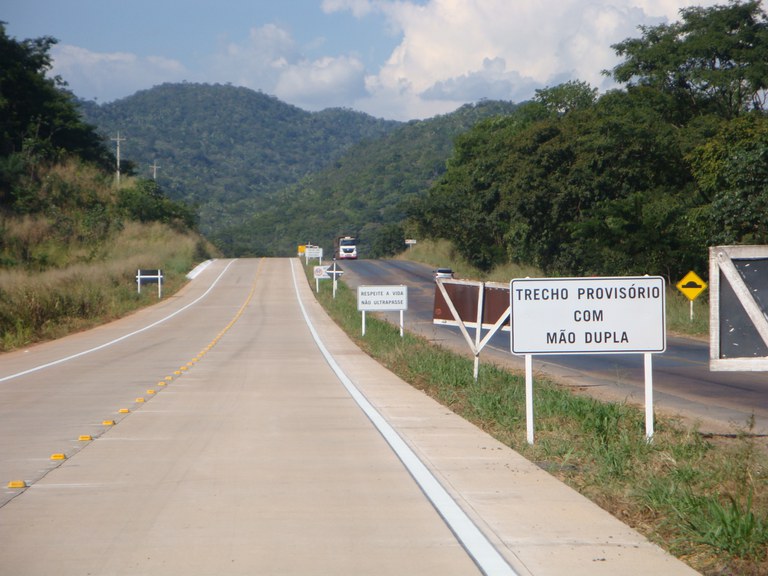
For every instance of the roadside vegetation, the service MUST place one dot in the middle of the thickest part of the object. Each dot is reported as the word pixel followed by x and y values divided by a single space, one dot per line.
pixel 71 239
pixel 702 498
pixel 38 305
pixel 638 180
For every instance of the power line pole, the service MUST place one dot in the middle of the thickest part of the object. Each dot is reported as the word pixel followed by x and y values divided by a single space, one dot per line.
pixel 154 167
pixel 118 140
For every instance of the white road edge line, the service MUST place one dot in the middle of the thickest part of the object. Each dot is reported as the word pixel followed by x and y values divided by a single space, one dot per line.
pixel 116 340
pixel 484 554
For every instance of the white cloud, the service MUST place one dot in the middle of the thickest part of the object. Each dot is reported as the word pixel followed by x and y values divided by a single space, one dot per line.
pixel 322 83
pixel 450 52
pixel 454 51
pixel 256 63
pixel 269 60
pixel 359 8
pixel 108 76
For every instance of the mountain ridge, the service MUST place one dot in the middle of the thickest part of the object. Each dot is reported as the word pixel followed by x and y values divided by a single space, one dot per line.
pixel 245 160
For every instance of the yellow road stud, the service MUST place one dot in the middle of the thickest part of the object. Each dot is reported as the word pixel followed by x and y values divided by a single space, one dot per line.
pixel 123 411
pixel 139 400
pixel 58 456
pixel 17 484
pixel 108 423
pixel 150 391
pixel 85 438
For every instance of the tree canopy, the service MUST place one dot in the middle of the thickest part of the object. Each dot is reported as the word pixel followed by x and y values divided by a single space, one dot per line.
pixel 714 60
pixel 637 181
pixel 38 118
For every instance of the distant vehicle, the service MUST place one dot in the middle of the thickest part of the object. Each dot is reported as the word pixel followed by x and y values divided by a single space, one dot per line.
pixel 443 273
pixel 345 248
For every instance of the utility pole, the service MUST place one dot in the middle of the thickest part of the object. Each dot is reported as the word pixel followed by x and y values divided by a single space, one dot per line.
pixel 154 167
pixel 118 140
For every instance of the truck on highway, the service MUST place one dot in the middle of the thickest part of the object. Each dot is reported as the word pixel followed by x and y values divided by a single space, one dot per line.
pixel 345 248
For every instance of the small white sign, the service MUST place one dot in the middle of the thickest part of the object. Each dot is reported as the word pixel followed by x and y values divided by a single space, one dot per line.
pixel 588 315
pixel 321 273
pixel 382 298
pixel 313 252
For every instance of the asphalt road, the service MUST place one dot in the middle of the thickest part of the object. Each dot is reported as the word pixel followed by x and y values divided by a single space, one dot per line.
pixel 718 402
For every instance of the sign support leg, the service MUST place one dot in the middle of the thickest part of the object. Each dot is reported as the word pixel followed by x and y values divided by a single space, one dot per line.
pixel 648 396
pixel 363 322
pixel 402 324
pixel 479 329
pixel 529 397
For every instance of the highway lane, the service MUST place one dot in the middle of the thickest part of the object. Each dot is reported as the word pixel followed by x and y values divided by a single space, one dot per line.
pixel 53 393
pixel 720 402
pixel 251 459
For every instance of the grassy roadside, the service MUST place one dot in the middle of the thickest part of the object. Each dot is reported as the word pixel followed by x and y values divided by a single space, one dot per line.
pixel 703 499
pixel 94 287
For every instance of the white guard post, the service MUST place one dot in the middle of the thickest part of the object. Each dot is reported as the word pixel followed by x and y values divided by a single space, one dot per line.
pixel 615 315
pixel 150 277
pixel 382 299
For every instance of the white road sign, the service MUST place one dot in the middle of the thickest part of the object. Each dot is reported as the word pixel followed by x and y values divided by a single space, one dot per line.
pixel 313 252
pixel 588 315
pixel 321 272
pixel 382 298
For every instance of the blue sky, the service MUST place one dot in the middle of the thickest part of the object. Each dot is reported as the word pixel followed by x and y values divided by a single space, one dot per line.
pixel 395 59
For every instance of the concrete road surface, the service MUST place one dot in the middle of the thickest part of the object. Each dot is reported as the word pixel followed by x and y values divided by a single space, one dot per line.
pixel 234 429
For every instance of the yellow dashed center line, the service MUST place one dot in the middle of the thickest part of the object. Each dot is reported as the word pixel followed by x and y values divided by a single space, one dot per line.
pixel 21 484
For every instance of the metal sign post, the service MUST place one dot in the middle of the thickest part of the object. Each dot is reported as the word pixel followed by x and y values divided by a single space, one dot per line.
pixel 615 315
pixel 691 286
pixel 320 273
pixel 313 252
pixel 382 299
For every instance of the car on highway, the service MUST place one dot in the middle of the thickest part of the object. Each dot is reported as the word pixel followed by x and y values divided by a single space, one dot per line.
pixel 443 273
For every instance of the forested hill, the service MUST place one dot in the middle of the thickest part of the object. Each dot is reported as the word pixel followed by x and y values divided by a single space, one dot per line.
pixel 216 145
pixel 367 192
pixel 265 175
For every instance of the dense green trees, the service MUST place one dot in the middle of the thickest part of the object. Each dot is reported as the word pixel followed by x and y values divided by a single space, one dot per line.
pixel 231 151
pixel 731 169
pixel 38 119
pixel 144 201
pixel 715 60
pixel 55 170
pixel 637 181
pixel 365 192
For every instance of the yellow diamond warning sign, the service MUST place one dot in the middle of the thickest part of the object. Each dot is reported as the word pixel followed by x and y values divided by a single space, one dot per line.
pixel 691 285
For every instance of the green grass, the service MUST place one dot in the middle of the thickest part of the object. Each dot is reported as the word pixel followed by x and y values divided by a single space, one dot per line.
pixel 703 499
